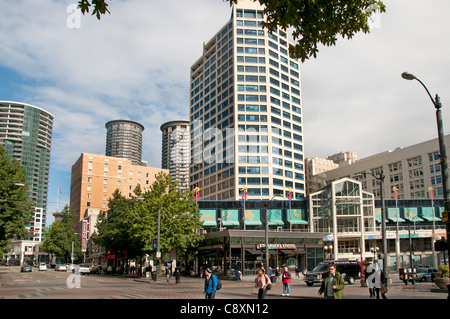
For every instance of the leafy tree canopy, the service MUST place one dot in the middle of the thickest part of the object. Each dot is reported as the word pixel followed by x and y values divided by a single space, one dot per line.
pixel 312 21
pixel 16 210
pixel 131 223
pixel 60 236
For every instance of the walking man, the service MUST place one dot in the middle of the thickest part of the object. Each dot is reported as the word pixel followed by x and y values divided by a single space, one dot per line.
pixel 210 284
pixel 333 284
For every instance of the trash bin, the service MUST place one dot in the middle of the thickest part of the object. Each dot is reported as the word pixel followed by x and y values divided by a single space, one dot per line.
pixel 273 279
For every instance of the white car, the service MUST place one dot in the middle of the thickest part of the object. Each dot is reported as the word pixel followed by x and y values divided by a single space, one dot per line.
pixel 60 268
pixel 85 269
pixel 42 266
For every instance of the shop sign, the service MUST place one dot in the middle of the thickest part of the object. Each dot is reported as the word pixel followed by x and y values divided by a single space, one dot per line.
pixel 277 246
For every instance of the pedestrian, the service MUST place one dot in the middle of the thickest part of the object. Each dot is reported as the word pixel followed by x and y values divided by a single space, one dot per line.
pixel 369 281
pixel 297 272
pixel 380 286
pixel 286 282
pixel 262 282
pixel 277 273
pixel 333 284
pixel 177 275
pixel 168 271
pixel 210 284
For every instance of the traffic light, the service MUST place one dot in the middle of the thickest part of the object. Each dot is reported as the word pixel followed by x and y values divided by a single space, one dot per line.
pixel 440 245
pixel 154 242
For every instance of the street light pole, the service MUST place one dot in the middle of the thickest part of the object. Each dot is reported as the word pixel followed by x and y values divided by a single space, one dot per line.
pixel 266 232
pixel 442 150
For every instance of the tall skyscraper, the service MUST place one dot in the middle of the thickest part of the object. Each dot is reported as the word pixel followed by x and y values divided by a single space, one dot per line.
pixel 26 135
pixel 246 112
pixel 175 155
pixel 124 140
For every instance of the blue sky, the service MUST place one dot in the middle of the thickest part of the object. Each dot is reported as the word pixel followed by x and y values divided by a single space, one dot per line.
pixel 135 64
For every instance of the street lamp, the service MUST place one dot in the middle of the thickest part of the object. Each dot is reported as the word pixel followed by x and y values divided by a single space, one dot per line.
pixel 380 177
pixel 266 231
pixel 442 150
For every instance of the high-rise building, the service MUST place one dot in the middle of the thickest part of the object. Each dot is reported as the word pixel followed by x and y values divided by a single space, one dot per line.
pixel 26 135
pixel 176 151
pixel 96 177
pixel 246 112
pixel 124 140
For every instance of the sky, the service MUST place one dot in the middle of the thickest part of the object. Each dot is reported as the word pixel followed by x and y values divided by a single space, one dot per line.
pixel 134 63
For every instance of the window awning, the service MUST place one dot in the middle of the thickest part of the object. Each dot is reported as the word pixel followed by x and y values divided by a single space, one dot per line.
pixel 296 216
pixel 253 217
pixel 411 214
pixel 208 216
pixel 393 214
pixel 428 213
pixel 230 217
pixel 274 216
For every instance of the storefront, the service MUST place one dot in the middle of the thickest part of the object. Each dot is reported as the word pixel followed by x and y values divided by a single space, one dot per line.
pixel 229 250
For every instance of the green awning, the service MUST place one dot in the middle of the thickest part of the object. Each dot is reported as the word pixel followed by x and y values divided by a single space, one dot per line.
pixel 428 213
pixel 253 217
pixel 296 216
pixel 274 216
pixel 230 217
pixel 393 214
pixel 411 214
pixel 208 216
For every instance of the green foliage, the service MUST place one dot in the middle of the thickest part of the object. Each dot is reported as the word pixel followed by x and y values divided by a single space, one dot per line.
pixel 60 236
pixel 130 223
pixel 443 271
pixel 311 21
pixel 16 210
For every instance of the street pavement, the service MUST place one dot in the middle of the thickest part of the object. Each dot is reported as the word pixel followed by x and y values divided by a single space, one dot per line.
pixel 62 285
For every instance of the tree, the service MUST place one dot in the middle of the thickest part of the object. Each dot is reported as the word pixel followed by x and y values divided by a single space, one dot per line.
pixel 16 209
pixel 131 223
pixel 60 236
pixel 311 21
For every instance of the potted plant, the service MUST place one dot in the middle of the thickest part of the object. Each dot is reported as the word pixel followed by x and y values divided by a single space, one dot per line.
pixel 442 280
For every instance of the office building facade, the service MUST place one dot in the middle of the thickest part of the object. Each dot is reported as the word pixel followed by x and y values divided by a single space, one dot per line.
pixel 124 140
pixel 175 151
pixel 95 178
pixel 26 135
pixel 246 113
pixel 411 170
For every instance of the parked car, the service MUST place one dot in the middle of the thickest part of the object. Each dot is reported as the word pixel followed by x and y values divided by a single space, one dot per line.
pixel 426 273
pixel 60 268
pixel 85 269
pixel 26 268
pixel 42 267
pixel 349 269
pixel 95 269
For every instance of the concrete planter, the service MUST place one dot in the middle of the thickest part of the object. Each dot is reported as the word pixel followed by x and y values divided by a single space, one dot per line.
pixel 442 282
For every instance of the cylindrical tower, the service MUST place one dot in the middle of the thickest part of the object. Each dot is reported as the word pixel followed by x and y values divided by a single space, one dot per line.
pixel 175 155
pixel 124 140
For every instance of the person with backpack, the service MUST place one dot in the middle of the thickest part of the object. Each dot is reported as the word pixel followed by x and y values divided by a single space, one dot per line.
pixel 211 284
pixel 286 281
pixel 263 283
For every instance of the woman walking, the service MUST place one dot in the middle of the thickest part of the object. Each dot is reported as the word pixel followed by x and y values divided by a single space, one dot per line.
pixel 262 281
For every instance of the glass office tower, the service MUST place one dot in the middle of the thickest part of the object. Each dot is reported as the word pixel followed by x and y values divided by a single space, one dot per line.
pixel 26 135
pixel 246 113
